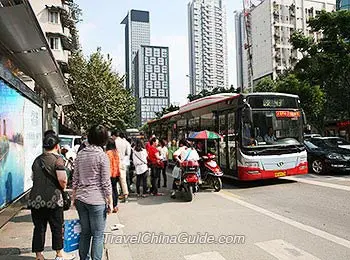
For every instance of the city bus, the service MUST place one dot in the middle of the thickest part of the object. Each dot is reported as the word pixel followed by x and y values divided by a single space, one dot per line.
pixel 262 133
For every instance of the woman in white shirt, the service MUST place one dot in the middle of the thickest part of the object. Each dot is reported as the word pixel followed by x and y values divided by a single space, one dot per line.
pixel 139 157
pixel 163 151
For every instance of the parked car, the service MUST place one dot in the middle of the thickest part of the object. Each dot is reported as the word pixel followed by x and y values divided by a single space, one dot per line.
pixel 308 136
pixel 325 156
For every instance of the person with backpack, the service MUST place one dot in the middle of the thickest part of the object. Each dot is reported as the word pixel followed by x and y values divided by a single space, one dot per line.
pixel 141 167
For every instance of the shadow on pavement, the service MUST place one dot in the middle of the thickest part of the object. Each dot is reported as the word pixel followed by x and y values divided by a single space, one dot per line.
pixel 23 218
pixel 234 184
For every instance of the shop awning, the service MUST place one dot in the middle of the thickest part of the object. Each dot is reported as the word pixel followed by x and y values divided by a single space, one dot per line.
pixel 24 42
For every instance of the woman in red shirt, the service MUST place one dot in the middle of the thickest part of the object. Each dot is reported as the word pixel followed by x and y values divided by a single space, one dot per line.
pixel 155 162
pixel 114 161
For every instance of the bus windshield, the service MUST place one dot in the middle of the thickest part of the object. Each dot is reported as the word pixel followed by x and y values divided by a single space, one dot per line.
pixel 273 128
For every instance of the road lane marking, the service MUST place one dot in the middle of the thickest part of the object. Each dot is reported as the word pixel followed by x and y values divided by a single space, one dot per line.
pixel 319 183
pixel 285 251
pixel 312 230
pixel 206 256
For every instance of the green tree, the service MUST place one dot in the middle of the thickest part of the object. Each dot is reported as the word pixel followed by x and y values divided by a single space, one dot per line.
pixel 265 85
pixel 326 62
pixel 98 93
pixel 205 92
pixel 311 98
pixel 167 110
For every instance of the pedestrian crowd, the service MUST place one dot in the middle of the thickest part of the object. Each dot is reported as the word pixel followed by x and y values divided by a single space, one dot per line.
pixel 107 167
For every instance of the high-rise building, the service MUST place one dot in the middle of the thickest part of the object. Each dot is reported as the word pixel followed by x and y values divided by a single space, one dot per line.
pixel 207 45
pixel 241 53
pixel 343 4
pixel 137 33
pixel 271 25
pixel 151 81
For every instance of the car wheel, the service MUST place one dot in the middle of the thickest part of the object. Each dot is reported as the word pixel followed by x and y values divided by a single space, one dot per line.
pixel 317 166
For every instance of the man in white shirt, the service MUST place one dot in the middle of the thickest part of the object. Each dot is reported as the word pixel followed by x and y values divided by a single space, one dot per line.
pixel 124 150
pixel 184 153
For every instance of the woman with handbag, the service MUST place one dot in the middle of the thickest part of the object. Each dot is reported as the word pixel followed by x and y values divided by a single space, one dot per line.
pixel 114 162
pixel 92 193
pixel 141 168
pixel 46 199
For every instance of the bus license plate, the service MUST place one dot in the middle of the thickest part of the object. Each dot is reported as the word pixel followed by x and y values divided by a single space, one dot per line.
pixel 280 174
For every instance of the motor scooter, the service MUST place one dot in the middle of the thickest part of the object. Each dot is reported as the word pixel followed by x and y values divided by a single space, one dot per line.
pixel 188 181
pixel 210 173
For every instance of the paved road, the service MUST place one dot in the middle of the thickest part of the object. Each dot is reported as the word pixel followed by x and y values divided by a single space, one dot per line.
pixel 304 217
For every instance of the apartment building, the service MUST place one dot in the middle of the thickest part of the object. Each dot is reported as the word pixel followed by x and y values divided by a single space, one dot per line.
pixel 271 25
pixel 207 45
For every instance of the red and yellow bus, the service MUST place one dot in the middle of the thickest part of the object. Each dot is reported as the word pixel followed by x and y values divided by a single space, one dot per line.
pixel 262 133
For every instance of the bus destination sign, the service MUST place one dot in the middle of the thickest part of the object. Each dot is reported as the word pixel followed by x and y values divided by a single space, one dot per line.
pixel 288 114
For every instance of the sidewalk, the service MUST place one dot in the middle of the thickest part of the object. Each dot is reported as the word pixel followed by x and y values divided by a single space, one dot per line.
pixel 16 238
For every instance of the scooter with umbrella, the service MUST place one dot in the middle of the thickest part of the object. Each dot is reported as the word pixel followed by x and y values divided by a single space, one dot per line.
pixel 211 172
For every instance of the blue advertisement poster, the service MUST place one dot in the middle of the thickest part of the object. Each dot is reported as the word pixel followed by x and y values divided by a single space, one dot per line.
pixel 20 142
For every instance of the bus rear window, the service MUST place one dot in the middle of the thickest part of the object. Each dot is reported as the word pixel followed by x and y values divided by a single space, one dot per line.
pixel 273 102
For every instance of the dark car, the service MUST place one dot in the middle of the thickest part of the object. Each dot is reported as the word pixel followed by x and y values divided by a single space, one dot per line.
pixel 324 154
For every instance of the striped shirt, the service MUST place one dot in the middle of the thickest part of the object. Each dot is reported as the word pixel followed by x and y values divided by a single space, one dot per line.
pixel 91 178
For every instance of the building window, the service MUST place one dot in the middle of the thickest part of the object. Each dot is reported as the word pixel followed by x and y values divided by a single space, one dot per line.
pixel 146 92
pixel 146 76
pixel 153 92
pixel 160 61
pixel 157 84
pixel 148 68
pixel 164 69
pixel 156 52
pixel 164 84
pixel 153 76
pixel 161 77
pixel 152 61
pixel 53 17
pixel 164 53
pixel 54 43
pixel 161 93
pixel 157 69
pixel 148 52
pixel 149 84
pixel 146 61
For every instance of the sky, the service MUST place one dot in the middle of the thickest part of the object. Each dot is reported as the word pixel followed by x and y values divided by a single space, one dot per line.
pixel 100 27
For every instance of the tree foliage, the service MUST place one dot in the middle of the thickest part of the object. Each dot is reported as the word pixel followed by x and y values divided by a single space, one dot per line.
pixel 205 93
pixel 326 62
pixel 167 110
pixel 98 93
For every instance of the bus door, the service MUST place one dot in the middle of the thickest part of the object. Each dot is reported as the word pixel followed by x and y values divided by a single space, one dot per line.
pixel 231 144
pixel 223 145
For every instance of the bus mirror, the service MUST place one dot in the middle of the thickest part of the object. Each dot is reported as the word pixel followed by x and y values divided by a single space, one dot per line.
pixel 304 118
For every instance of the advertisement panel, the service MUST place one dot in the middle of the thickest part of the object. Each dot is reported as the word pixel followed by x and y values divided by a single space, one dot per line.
pixel 20 142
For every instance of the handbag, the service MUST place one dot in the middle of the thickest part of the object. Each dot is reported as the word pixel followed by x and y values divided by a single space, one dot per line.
pixel 72 230
pixel 67 201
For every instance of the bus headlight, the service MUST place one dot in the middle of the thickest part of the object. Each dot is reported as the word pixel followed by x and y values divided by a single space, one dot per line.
pixel 252 164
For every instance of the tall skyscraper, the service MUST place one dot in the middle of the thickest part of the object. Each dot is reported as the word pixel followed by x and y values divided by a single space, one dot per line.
pixel 151 81
pixel 137 33
pixel 270 26
pixel 207 45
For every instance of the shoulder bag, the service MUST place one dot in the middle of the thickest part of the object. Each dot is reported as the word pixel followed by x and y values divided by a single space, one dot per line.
pixel 65 195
